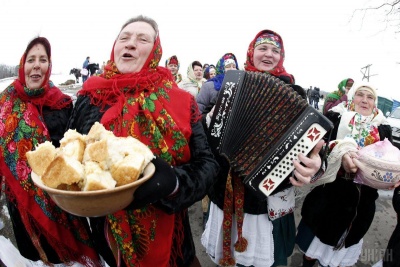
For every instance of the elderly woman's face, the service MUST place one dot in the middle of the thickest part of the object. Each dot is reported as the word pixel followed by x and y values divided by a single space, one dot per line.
pixel 133 46
pixel 173 68
pixel 266 57
pixel 36 65
pixel 364 102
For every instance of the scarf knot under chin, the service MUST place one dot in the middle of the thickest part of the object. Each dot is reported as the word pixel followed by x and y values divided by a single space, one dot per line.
pixel 48 95
pixel 112 87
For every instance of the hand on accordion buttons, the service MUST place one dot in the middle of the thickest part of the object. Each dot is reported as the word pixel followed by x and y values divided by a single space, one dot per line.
pixel 161 185
pixel 307 167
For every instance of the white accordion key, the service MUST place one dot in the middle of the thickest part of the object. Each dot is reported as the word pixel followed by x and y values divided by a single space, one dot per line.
pixel 284 167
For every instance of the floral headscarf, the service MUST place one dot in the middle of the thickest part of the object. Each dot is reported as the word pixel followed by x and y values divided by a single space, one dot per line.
pixel 47 95
pixel 174 60
pixel 234 192
pixel 363 129
pixel 336 95
pixel 149 106
pixel 279 70
pixel 22 127
pixel 220 68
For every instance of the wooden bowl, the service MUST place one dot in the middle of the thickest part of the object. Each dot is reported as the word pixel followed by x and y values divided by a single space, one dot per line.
pixel 95 203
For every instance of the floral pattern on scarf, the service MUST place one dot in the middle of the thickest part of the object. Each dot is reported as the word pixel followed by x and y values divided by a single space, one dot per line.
pixel 218 79
pixel 279 70
pixel 144 105
pixel 21 129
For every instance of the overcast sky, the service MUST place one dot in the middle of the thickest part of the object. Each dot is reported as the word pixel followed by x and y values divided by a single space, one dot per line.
pixel 324 43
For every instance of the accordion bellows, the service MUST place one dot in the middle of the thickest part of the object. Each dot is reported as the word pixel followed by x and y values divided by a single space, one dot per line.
pixel 260 124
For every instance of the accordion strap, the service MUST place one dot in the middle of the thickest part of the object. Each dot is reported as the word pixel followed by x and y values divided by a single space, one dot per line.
pixel 233 205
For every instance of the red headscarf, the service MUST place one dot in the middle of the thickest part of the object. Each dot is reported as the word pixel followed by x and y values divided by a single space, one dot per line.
pixel 279 70
pixel 149 106
pixel 234 190
pixel 21 128
pixel 47 95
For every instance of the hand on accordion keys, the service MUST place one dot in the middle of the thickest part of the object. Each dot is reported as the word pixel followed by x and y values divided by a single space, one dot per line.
pixel 310 167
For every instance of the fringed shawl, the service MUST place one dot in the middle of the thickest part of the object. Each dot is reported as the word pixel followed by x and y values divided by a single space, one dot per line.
pixel 149 106
pixel 22 127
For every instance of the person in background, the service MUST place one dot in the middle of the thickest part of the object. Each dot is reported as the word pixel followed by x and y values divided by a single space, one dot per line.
pixel 85 66
pixel 309 96
pixel 316 97
pixel 207 98
pixel 212 72
pixel 208 70
pixel 335 98
pixel 194 79
pixel 32 111
pixel 137 97
pixel 332 228
pixel 205 68
pixel 260 240
pixel 172 64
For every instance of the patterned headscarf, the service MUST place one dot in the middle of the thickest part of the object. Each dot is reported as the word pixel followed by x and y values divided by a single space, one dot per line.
pixel 22 127
pixel 172 60
pixel 220 68
pixel 363 129
pixel 268 38
pixel 149 106
pixel 192 77
pixel 234 192
pixel 275 39
pixel 336 95
pixel 47 95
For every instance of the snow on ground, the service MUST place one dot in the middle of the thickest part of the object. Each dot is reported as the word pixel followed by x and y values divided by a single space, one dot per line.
pixel 56 78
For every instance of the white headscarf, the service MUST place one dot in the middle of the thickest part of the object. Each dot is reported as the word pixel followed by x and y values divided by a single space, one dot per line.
pixel 352 133
pixel 361 126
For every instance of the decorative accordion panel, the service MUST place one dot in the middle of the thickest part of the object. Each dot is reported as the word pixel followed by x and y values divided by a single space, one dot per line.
pixel 260 124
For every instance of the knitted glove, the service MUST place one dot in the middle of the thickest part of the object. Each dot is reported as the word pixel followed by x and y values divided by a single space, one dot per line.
pixel 162 184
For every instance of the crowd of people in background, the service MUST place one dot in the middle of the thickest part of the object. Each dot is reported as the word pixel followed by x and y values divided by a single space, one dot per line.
pixel 131 94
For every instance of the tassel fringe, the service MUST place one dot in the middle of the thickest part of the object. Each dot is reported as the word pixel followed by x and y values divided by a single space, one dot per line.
pixel 227 262
pixel 241 244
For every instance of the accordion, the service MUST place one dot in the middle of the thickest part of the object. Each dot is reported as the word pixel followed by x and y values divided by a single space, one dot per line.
pixel 260 124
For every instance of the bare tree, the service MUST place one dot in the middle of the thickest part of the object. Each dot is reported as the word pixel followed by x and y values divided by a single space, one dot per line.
pixel 8 71
pixel 388 12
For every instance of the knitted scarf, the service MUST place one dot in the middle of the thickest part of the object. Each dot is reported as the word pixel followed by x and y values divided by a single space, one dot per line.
pixel 234 194
pixel 22 128
pixel 148 106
